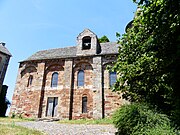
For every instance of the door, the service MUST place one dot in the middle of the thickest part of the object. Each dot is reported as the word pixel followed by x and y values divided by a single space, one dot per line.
pixel 52 106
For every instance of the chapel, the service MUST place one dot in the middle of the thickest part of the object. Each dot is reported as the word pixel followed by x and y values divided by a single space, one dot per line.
pixel 68 83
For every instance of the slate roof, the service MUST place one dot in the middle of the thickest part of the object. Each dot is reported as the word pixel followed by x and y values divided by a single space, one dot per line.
pixel 109 48
pixel 69 52
pixel 4 50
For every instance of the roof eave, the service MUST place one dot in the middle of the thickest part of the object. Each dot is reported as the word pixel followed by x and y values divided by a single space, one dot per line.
pixel 71 57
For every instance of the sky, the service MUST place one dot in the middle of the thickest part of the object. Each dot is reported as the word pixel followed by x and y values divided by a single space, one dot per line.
pixel 28 26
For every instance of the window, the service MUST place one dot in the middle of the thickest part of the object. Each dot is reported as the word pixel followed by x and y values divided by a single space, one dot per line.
pixel 112 78
pixel 30 81
pixel 54 80
pixel 84 104
pixel 80 78
pixel 86 44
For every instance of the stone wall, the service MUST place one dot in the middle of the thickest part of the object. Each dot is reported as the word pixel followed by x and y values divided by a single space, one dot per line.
pixel 4 60
pixel 32 100
pixel 94 43
pixel 112 100
pixel 81 91
pixel 26 98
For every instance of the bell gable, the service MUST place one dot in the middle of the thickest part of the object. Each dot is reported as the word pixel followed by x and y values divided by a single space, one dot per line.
pixel 87 43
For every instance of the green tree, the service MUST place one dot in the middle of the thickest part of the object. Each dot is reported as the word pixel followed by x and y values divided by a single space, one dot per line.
pixel 103 39
pixel 148 64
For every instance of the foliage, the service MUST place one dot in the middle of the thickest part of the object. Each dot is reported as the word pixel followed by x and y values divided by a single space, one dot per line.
pixel 9 129
pixel 140 119
pixel 148 64
pixel 103 39
pixel 87 121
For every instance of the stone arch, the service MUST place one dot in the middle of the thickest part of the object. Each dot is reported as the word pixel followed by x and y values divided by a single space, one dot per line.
pixel 107 64
pixel 28 70
pixel 25 74
pixel 106 72
pixel 83 66
pixel 55 68
pixel 88 73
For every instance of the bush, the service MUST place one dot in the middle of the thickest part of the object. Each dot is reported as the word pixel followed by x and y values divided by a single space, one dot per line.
pixel 140 119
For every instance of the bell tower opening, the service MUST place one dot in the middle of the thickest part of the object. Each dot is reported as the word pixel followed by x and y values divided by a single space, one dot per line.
pixel 86 43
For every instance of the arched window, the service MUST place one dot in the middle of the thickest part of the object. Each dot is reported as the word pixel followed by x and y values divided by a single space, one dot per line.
pixel 80 78
pixel 86 43
pixel 30 79
pixel 112 78
pixel 84 104
pixel 54 79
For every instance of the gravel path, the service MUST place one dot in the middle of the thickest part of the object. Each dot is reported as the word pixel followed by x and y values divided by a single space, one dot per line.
pixel 52 128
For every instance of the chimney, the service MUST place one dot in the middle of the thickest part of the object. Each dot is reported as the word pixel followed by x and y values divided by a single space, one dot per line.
pixel 2 43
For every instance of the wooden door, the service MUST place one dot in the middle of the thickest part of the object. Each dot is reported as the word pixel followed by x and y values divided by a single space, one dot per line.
pixel 52 104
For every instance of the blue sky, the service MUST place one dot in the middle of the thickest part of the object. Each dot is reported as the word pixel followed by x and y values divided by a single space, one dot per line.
pixel 27 26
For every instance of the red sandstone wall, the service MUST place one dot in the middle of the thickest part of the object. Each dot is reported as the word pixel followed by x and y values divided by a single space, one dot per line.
pixel 80 91
pixel 24 95
pixel 27 99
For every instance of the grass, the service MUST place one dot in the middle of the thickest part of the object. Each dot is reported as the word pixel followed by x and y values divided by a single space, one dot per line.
pixel 8 127
pixel 11 120
pixel 11 129
pixel 87 121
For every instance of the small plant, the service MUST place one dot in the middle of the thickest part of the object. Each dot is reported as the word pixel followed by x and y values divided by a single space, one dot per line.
pixel 12 124
pixel 13 115
pixel 20 116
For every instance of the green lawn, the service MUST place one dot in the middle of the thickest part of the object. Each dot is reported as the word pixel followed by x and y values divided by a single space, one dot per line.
pixel 8 127
pixel 11 129
pixel 87 121
pixel 10 120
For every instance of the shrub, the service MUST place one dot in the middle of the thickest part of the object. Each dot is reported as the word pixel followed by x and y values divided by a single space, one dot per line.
pixel 140 119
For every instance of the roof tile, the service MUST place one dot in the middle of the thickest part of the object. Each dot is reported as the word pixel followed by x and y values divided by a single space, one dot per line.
pixel 106 48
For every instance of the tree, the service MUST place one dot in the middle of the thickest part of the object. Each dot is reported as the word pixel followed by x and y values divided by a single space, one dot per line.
pixel 103 39
pixel 148 64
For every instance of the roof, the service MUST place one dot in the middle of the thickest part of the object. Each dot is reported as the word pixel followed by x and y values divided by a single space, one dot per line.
pixel 54 53
pixel 109 48
pixel 69 52
pixel 4 50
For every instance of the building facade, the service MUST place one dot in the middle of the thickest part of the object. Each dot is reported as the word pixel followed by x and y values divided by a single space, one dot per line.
pixel 68 83
pixel 4 61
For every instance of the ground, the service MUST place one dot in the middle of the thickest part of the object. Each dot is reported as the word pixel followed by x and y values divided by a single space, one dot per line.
pixel 53 128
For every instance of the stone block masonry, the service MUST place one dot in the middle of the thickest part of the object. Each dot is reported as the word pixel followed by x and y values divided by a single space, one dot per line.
pixel 68 83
